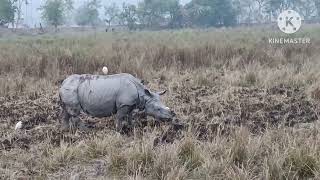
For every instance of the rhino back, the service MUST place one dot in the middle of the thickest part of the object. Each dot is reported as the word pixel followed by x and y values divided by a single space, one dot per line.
pixel 103 96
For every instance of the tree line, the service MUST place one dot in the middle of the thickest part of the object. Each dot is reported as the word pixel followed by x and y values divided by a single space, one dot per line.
pixel 150 14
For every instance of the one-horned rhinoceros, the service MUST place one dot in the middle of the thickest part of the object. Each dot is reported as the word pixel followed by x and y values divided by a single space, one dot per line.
pixel 103 96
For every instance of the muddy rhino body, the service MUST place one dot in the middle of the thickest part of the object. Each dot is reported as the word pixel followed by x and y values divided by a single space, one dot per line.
pixel 103 96
pixel 99 96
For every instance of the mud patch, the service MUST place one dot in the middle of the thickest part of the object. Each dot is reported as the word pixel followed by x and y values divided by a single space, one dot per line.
pixel 208 111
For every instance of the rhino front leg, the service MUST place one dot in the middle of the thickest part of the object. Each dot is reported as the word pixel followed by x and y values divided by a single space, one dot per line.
pixel 124 114
pixel 77 123
pixel 71 119
pixel 65 120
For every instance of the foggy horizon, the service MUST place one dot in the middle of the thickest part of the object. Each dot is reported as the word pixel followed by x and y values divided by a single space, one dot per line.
pixel 32 14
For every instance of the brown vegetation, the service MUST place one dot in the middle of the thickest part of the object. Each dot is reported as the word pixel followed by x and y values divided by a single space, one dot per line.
pixel 252 108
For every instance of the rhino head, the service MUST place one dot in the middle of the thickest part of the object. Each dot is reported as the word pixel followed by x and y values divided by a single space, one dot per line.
pixel 154 107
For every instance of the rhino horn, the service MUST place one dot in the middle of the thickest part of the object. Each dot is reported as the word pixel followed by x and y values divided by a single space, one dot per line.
pixel 162 92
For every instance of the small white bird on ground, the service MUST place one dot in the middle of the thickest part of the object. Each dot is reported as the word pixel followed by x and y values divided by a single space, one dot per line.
pixel 18 125
pixel 105 70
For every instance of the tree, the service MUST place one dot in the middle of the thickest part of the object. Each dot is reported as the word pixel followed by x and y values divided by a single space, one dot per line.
pixel 175 11
pixel 252 11
pixel 53 12
pixel 160 12
pixel 275 7
pixel 88 14
pixel 69 12
pixel 212 12
pixel 261 9
pixel 199 12
pixel 224 13
pixel 7 10
pixel 111 13
pixel 18 6
pixel 129 16
pixel 307 8
pixel 69 5
pixel 244 9
pixel 317 3
pixel 150 12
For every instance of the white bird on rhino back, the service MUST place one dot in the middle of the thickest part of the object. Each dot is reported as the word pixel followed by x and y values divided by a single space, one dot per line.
pixel 105 70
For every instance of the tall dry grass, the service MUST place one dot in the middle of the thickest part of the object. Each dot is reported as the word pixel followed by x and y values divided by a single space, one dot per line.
pixel 242 54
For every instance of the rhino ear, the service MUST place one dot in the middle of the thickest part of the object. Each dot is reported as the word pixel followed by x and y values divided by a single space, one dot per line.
pixel 147 92
pixel 162 92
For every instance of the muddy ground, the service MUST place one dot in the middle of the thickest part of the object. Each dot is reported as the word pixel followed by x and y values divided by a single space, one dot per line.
pixel 203 110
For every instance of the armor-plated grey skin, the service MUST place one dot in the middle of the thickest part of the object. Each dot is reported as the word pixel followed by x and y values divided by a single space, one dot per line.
pixel 103 96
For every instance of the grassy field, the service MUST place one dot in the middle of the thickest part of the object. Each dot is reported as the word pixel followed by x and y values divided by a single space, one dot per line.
pixel 252 107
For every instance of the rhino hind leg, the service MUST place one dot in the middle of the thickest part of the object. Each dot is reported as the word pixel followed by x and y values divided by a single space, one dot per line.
pixel 124 114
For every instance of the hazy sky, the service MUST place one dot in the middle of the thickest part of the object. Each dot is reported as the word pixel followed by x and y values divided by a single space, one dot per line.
pixel 32 14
